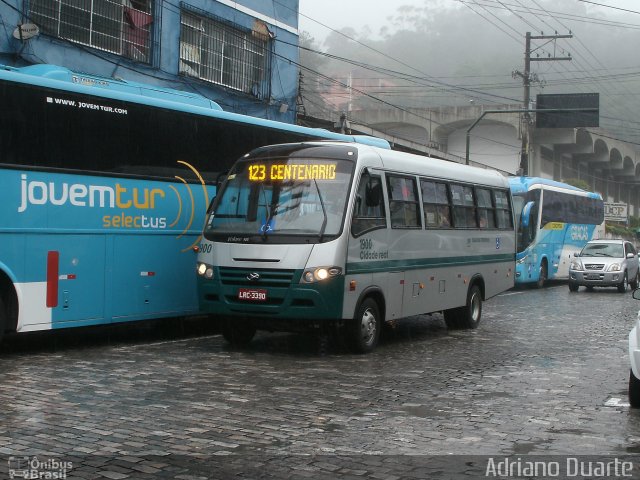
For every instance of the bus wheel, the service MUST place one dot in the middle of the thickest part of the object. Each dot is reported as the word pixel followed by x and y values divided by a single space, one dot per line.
pixel 366 326
pixel 542 277
pixel 622 287
pixel 3 319
pixel 237 332
pixel 634 390
pixel 468 316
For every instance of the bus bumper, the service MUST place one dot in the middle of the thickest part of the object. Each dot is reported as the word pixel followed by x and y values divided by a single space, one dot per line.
pixel 296 302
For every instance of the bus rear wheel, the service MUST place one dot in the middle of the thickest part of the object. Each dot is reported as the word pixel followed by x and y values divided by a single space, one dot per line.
pixel 238 333
pixel 469 316
pixel 366 326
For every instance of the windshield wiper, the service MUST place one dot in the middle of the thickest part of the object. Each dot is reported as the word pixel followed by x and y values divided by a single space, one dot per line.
pixel 271 209
pixel 324 211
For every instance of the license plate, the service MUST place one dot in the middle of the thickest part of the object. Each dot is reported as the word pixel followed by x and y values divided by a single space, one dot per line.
pixel 252 294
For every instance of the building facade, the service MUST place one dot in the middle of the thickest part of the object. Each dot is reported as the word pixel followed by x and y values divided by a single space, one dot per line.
pixel 241 54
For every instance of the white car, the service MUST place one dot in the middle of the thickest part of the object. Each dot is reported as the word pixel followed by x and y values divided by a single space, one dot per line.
pixel 634 360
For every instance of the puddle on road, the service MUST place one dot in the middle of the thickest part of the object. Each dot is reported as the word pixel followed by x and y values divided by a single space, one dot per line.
pixel 616 402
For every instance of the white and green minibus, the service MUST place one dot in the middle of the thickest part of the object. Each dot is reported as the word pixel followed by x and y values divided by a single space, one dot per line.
pixel 328 234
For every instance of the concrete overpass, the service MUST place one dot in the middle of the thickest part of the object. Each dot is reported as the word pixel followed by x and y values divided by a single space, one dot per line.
pixel 611 167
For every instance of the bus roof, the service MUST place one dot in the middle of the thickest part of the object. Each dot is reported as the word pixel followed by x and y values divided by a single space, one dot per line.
pixel 436 168
pixel 524 184
pixel 61 78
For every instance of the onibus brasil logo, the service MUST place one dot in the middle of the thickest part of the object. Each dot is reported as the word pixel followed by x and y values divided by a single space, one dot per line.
pixel 146 202
pixel 35 468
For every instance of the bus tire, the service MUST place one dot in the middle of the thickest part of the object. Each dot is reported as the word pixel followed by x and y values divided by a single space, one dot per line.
pixel 3 319
pixel 542 277
pixel 469 316
pixel 366 326
pixel 634 390
pixel 238 333
pixel 622 287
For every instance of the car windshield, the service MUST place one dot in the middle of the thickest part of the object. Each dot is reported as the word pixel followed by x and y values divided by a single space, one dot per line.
pixel 602 250
pixel 289 196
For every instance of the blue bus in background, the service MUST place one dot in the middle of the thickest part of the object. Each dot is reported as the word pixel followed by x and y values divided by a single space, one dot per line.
pixel 554 220
pixel 105 185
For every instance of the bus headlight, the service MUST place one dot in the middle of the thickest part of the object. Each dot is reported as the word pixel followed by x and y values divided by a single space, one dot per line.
pixel 521 261
pixel 575 265
pixel 205 271
pixel 318 274
pixel 614 267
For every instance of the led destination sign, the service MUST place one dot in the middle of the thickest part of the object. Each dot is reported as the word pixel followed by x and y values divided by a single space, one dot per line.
pixel 259 172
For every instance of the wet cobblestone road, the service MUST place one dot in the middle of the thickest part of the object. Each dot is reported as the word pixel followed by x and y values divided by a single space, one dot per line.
pixel 546 373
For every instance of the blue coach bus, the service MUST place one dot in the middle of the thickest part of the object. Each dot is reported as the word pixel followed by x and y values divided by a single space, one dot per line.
pixel 105 185
pixel 554 220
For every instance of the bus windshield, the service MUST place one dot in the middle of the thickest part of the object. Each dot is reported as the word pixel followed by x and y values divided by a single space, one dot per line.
pixel 273 197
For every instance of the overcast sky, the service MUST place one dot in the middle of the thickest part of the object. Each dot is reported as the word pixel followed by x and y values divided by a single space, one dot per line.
pixel 358 14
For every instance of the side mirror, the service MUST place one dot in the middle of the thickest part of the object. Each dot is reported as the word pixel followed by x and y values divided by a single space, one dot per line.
pixel 526 214
pixel 630 255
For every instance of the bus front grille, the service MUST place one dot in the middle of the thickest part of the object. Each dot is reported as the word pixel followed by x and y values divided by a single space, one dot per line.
pixel 242 277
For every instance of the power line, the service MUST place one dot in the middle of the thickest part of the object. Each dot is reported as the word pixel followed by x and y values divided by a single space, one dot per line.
pixel 609 6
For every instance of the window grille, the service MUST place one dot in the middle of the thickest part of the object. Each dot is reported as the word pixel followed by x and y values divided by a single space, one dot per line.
pixel 219 53
pixel 122 27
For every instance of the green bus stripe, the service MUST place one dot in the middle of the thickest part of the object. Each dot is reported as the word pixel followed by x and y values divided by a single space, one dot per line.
pixel 418 263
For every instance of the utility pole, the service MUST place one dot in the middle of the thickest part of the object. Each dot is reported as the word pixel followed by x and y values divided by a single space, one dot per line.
pixel 300 108
pixel 527 79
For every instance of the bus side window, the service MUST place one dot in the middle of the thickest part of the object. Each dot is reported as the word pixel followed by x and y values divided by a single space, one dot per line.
pixel 403 202
pixel 464 208
pixel 368 213
pixel 503 209
pixel 485 209
pixel 435 203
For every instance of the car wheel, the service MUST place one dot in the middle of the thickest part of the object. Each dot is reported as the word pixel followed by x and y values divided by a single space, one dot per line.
pixel 623 285
pixel 634 390
pixel 366 326
pixel 573 287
